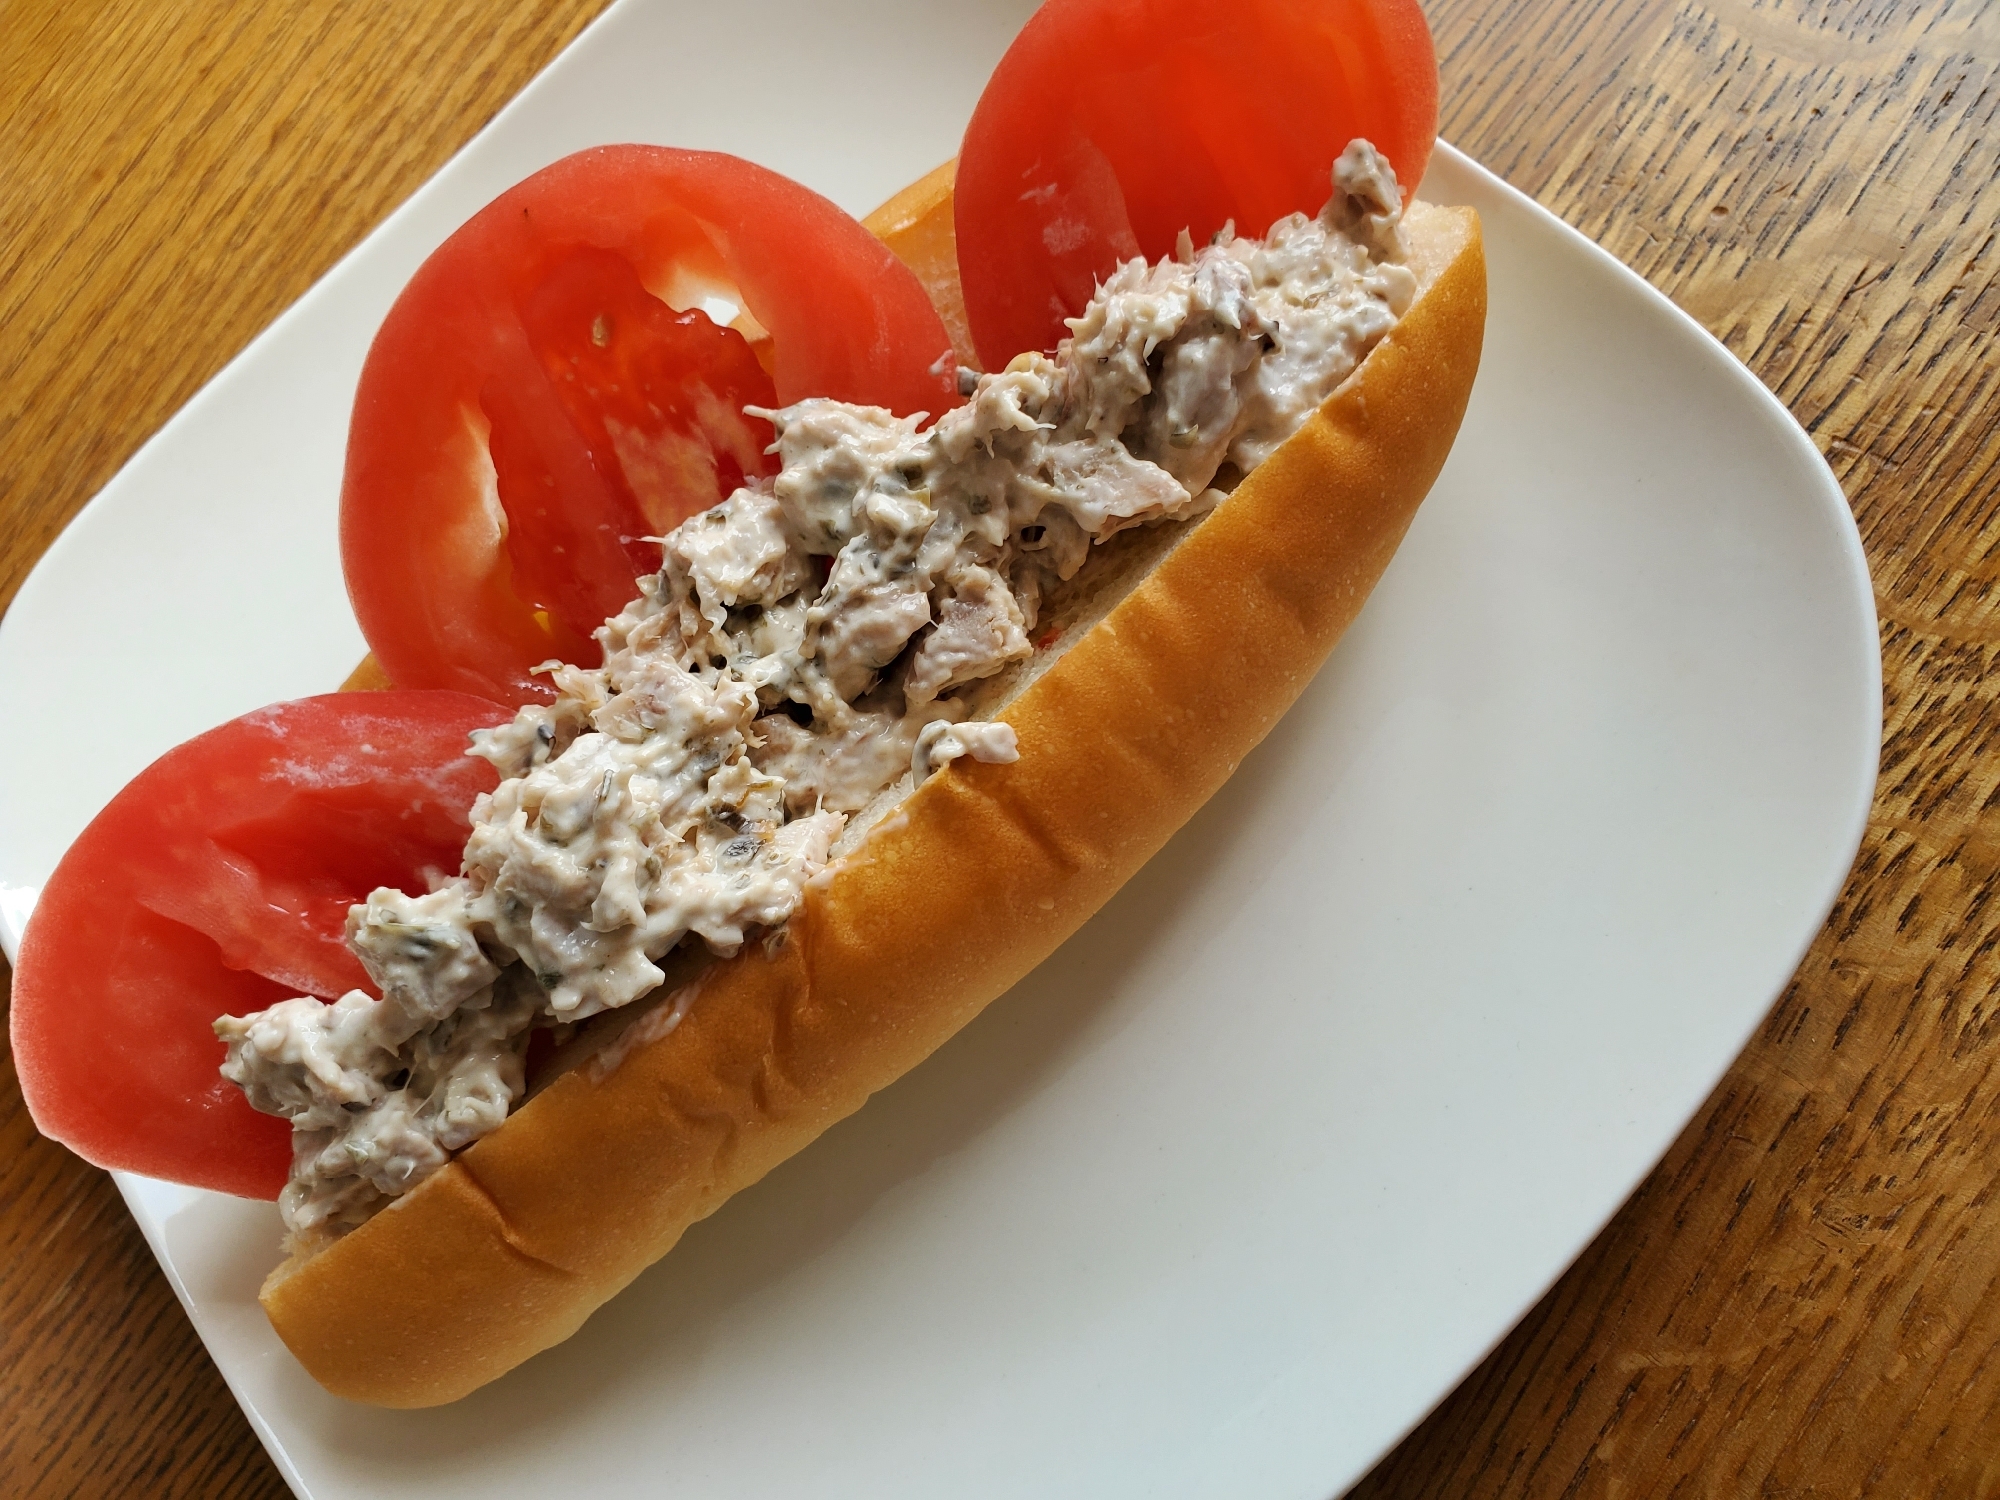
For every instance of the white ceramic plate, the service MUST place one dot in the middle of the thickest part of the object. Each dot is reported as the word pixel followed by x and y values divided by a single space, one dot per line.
pixel 1234 1188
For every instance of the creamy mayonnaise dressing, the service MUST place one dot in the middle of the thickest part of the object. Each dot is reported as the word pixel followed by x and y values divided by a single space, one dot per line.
pixel 806 645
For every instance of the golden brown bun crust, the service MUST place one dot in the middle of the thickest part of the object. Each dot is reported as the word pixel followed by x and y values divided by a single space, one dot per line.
pixel 367 677
pixel 511 1247
pixel 919 226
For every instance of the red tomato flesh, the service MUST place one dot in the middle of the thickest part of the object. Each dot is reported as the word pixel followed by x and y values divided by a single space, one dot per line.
pixel 217 883
pixel 1111 125
pixel 535 404
pixel 637 416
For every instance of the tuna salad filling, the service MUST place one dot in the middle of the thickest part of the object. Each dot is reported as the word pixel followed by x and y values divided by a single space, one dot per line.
pixel 812 643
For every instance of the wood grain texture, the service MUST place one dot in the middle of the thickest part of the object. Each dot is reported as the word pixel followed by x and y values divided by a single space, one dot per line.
pixel 1804 1298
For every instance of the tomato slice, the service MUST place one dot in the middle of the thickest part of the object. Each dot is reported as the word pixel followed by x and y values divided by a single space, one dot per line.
pixel 1111 125
pixel 218 883
pixel 547 392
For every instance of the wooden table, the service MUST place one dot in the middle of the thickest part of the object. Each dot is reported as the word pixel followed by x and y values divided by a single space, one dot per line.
pixel 1804 1298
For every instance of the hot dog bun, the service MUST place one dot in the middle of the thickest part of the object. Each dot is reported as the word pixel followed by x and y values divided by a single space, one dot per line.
pixel 919 227
pixel 1184 651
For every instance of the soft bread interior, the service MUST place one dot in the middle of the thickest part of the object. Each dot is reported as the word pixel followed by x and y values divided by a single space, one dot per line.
pixel 1178 654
